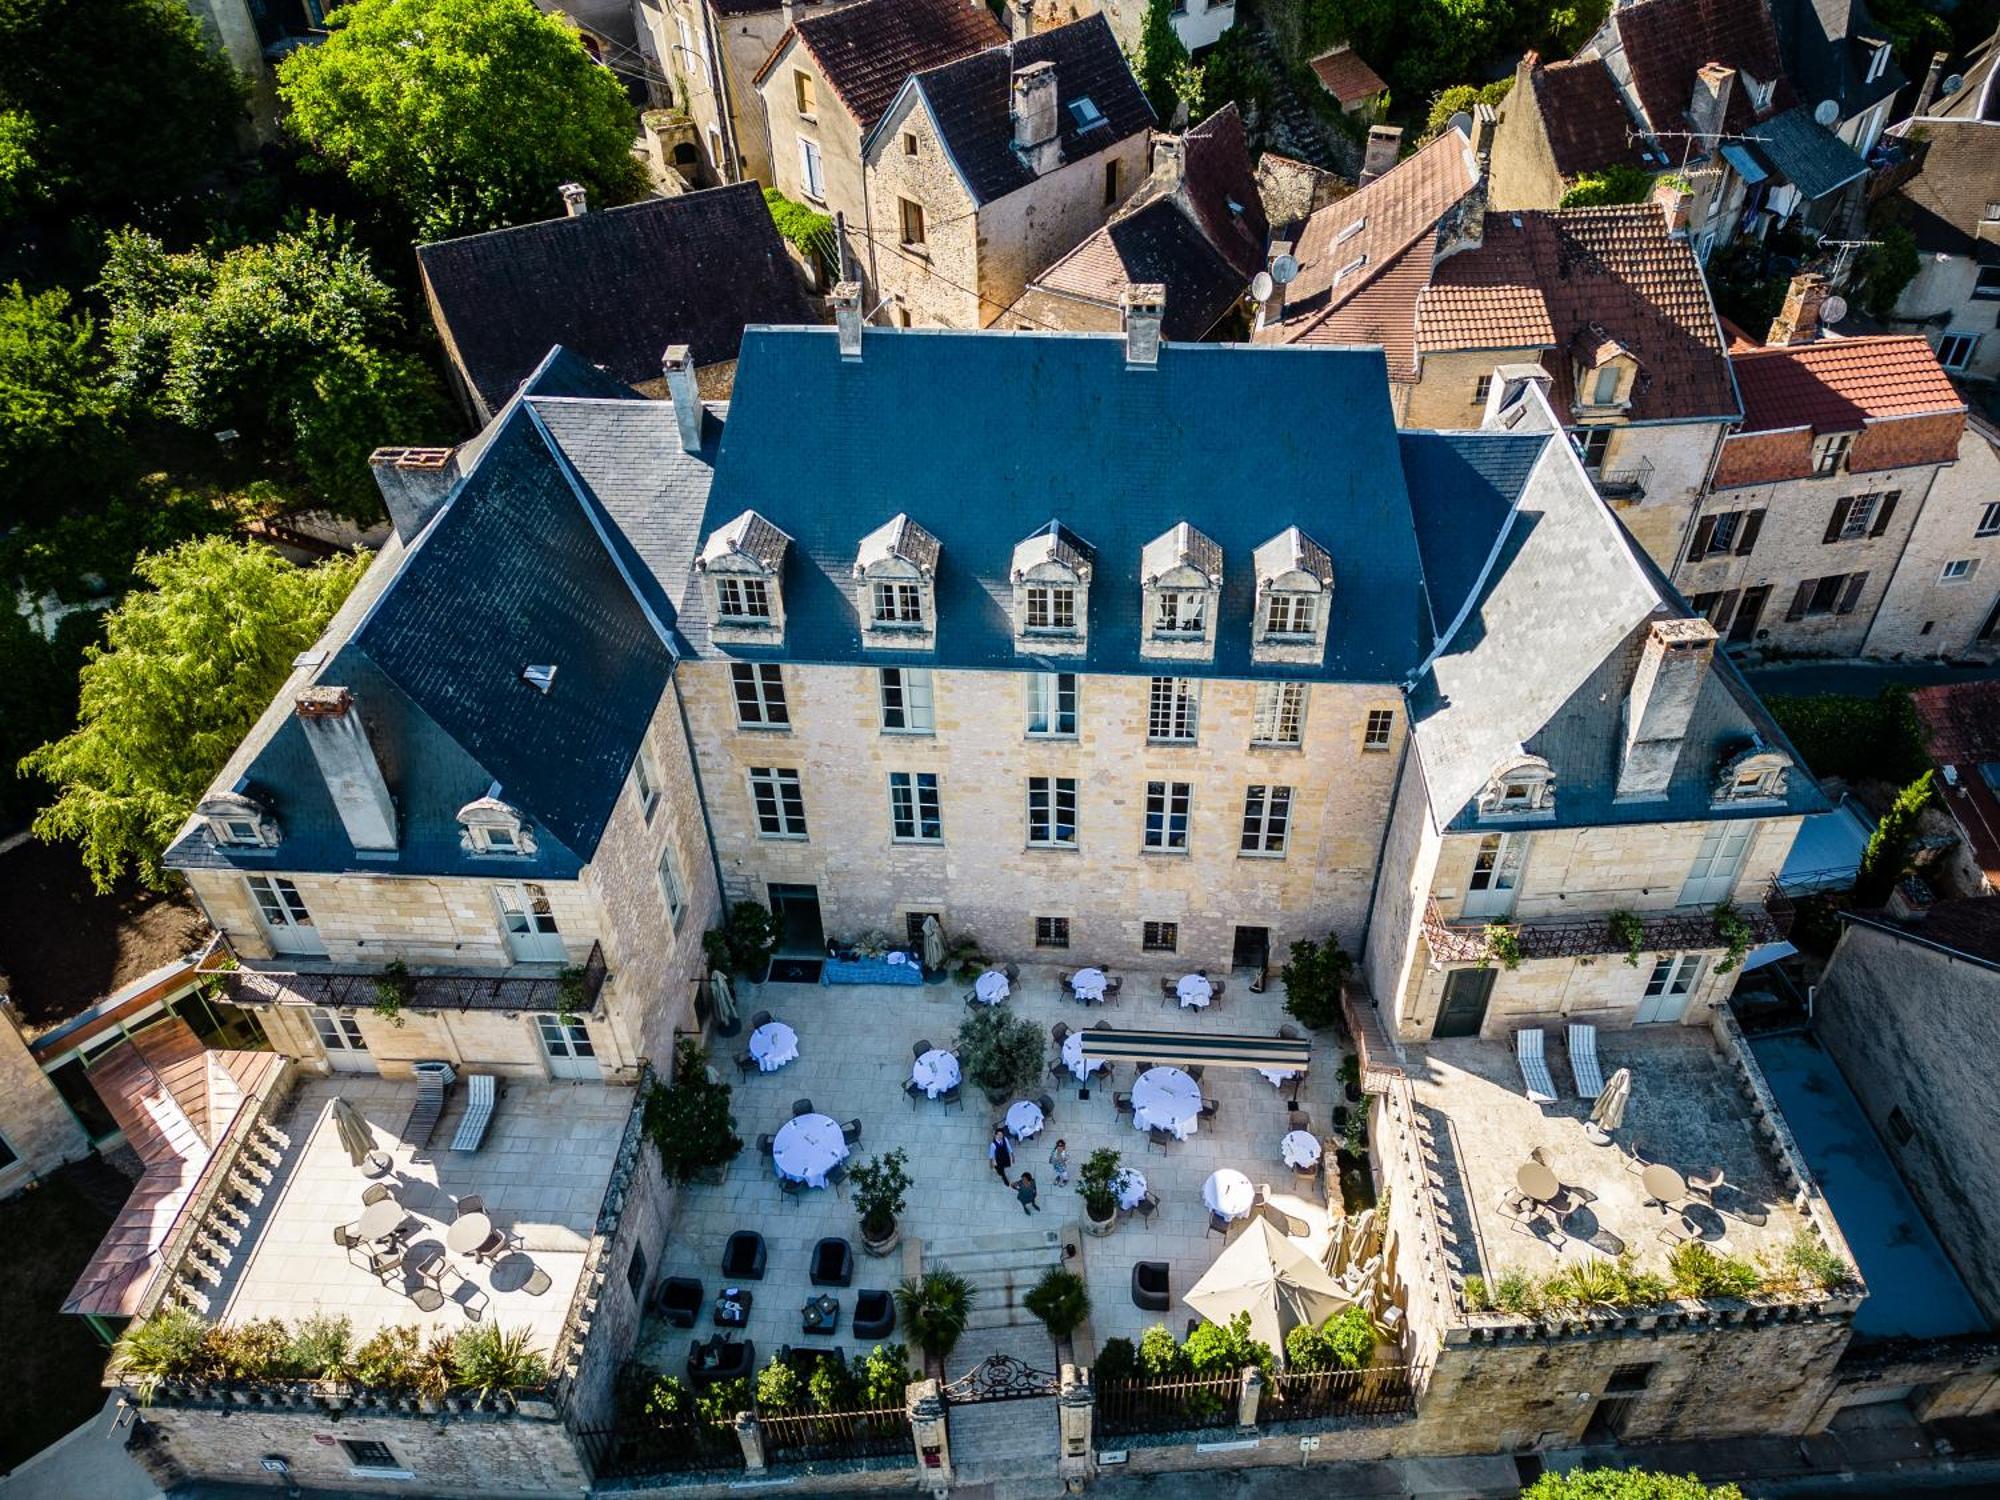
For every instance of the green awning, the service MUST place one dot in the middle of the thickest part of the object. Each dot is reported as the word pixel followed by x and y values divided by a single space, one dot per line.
pixel 1181 1048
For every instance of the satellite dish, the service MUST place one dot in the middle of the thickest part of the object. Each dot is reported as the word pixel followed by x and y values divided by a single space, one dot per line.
pixel 1285 270
pixel 1951 85
pixel 1462 123
pixel 1833 309
pixel 1261 286
pixel 1826 112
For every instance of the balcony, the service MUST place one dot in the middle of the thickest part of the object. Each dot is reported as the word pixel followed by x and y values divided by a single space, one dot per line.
pixel 1627 482
pixel 1666 932
pixel 355 988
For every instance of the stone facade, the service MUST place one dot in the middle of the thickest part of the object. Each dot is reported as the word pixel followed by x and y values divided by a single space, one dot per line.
pixel 686 38
pixel 1927 609
pixel 37 1128
pixel 826 126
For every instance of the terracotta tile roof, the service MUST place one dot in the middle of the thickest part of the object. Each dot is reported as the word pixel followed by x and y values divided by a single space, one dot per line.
pixel 866 51
pixel 1836 385
pixel 1222 190
pixel 1587 278
pixel 1584 116
pixel 1667 42
pixel 1344 75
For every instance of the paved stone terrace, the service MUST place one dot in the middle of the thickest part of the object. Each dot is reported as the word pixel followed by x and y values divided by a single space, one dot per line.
pixel 854 1057
pixel 542 1173
pixel 1686 1111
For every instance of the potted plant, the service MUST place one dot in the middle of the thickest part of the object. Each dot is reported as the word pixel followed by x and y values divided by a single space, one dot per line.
pixel 490 1362
pixel 689 1123
pixel 745 941
pixel 1097 1182
pixel 999 1052
pixel 934 1308
pixel 1313 981
pixel 393 988
pixel 879 1189
pixel 1350 1077
pixel 1062 1302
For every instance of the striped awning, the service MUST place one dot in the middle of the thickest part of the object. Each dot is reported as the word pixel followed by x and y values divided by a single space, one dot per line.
pixel 1181 1048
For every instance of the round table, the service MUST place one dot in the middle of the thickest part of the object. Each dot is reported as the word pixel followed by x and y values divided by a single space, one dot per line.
pixel 1088 984
pixel 1024 1119
pixel 1130 1186
pixel 468 1232
pixel 1229 1193
pixel 1664 1183
pixel 773 1045
pixel 1166 1098
pixel 376 1164
pixel 1075 1061
pixel 1195 991
pixel 935 1071
pixel 991 987
pixel 1279 1077
pixel 806 1147
pixel 1537 1181
pixel 379 1219
pixel 1300 1148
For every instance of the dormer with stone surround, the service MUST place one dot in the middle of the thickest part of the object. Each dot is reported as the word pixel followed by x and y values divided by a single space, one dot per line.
pixel 239 820
pixel 1051 576
pixel 1603 374
pixel 490 826
pixel 895 586
pixel 1180 586
pixel 1294 599
pixel 742 569
pixel 1521 788
pixel 1755 773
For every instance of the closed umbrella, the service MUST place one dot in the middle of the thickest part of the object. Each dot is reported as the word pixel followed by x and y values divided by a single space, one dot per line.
pixel 1269 1277
pixel 356 1139
pixel 933 944
pixel 723 998
pixel 1609 1111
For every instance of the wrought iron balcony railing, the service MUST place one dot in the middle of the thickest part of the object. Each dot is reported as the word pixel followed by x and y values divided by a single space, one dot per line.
pixel 356 988
pixel 1627 482
pixel 1684 931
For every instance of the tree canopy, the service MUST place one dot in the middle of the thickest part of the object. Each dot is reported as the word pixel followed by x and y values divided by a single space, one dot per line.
pixel 188 663
pixel 1163 60
pixel 465 114
pixel 1625 1484
pixel 55 404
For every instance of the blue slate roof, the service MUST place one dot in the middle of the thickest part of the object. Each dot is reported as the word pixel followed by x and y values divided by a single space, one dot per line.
pixel 1468 482
pixel 1806 154
pixel 983 439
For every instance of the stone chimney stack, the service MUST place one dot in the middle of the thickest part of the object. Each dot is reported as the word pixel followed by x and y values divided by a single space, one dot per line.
pixel 575 200
pixel 333 729
pixel 1384 142
pixel 414 483
pixel 1927 95
pixel 1037 141
pixel 1676 203
pixel 678 363
pixel 1798 320
pixel 846 302
pixel 1485 123
pixel 1463 226
pixel 1169 161
pixel 1710 105
pixel 1673 664
pixel 1506 387
pixel 1143 306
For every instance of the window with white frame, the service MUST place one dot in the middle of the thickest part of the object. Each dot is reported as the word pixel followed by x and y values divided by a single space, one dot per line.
pixel 1290 614
pixel 898 603
pixel 779 801
pixel 1267 817
pixel 1673 974
pixel 1051 606
pixel 1173 710
pixel 646 782
pixel 760 695
pixel 1052 812
pixel 1280 714
pixel 1958 570
pixel 1860 511
pixel 1052 932
pixel 914 815
pixel 1481 389
pixel 1955 350
pixel 1052 705
pixel 366 1456
pixel 279 901
pixel 745 601
pixel 336 1032
pixel 1989 520
pixel 1180 612
pixel 907 703
pixel 1167 814
pixel 1380 726
pixel 1160 937
pixel 1830 452
pixel 671 885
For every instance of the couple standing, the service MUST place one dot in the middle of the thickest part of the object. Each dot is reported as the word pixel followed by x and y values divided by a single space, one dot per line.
pixel 1000 1151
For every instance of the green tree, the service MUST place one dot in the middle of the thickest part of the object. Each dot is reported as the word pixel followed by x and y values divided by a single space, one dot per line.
pixel 294 343
pixel 1163 60
pixel 1462 98
pixel 1886 268
pixel 465 114
pixel 1625 1484
pixel 187 666
pixel 55 404
pixel 1887 858
pixel 1617 183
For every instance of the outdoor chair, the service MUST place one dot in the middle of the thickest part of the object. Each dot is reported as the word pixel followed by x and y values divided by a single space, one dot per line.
pixel 1298 1119
pixel 1012 971
pixel 1194 1071
pixel 801 1107
pixel 1143 1066
pixel 680 1300
pixel 1528 1045
pixel 1158 1139
pixel 1208 1108
pixel 1217 990
pixel 832 1262
pixel 1122 1103
pixel 1063 977
pixel 745 1065
pixel 836 1178
pixel 874 1314
pixel 913 1091
pixel 1151 1288
pixel 1059 1033
pixel 382 1262
pixel 1047 1104
pixel 919 1048
pixel 850 1132
pixel 1583 1061
pixel 792 1189
pixel 743 1257
pixel 1703 1184
pixel 765 1143
pixel 342 1238
pixel 483 1095
pixel 1147 1206
pixel 1217 1224
pixel 469 1204
pixel 760 1020
pixel 375 1192
pixel 1169 990
pixel 953 1095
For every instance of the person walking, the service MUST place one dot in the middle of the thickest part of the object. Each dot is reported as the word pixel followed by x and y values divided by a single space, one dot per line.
pixel 1059 1159
pixel 1025 1191
pixel 1000 1151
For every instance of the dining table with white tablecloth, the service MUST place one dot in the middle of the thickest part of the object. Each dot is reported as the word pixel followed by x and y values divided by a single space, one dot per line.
pixel 1024 1119
pixel 934 1072
pixel 807 1147
pixel 1229 1193
pixel 1279 1077
pixel 1089 984
pixel 1300 1148
pixel 1130 1186
pixel 1075 1061
pixel 1166 1099
pixel 773 1045
pixel 1194 991
pixel 991 987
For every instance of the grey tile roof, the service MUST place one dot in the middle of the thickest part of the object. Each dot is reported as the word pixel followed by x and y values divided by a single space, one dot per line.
pixel 1808 155
pixel 1828 46
pixel 1291 550
pixel 1055 542
pixel 1469 482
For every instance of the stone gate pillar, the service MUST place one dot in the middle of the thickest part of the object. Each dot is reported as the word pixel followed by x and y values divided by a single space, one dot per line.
pixel 929 1432
pixel 750 1433
pixel 1249 1395
pixel 1076 1409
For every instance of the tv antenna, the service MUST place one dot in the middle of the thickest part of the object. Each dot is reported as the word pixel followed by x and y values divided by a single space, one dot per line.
pixel 1844 253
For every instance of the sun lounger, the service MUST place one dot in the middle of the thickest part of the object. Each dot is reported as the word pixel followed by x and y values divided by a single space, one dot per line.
pixel 1528 1044
pixel 1583 1060
pixel 478 1114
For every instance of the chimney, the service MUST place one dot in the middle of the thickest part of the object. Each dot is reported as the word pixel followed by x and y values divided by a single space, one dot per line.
pixel 1508 385
pixel 1676 203
pixel 678 363
pixel 1673 664
pixel 1710 105
pixel 1384 142
pixel 1036 140
pixel 1020 19
pixel 1912 899
pixel 1143 306
pixel 574 198
pixel 1463 226
pixel 1927 95
pixel 414 483
pixel 846 300
pixel 1169 161
pixel 1798 320
pixel 1485 124
pixel 332 724
pixel 1273 311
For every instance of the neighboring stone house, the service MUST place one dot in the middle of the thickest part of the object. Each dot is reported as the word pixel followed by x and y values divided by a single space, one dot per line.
pixel 984 171
pixel 1950 203
pixel 617 286
pixel 1842 66
pixel 1962 731
pixel 1357 88
pixel 37 1133
pixel 1196 228
pixel 1944 597
pixel 1198 23
pixel 1816 494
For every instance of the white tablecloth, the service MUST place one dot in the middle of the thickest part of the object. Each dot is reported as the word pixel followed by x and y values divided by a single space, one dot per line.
pixel 935 1071
pixel 991 987
pixel 1167 1098
pixel 1195 992
pixel 773 1045
pixel 1088 984
pixel 1300 1148
pixel 1229 1193
pixel 1279 1077
pixel 1130 1186
pixel 806 1146
pixel 1024 1119
pixel 1075 1061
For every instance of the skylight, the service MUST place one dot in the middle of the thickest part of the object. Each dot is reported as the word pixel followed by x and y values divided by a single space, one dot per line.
pixel 540 678
pixel 1351 230
pixel 1083 109
pixel 1350 268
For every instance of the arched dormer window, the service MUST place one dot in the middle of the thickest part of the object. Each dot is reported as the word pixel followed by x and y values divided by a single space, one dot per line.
pixel 1294 598
pixel 239 821
pixel 895 585
pixel 742 567
pixel 1603 373
pixel 1180 584
pixel 490 826
pixel 1522 786
pixel 1051 576
pixel 1755 773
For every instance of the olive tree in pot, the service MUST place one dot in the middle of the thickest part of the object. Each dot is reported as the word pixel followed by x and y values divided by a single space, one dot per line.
pixel 879 1189
pixel 999 1052
pixel 1098 1183
pixel 1062 1301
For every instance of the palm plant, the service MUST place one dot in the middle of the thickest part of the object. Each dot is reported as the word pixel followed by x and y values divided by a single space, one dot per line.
pixel 1059 1299
pixel 170 1345
pixel 935 1308
pixel 387 1360
pixel 489 1360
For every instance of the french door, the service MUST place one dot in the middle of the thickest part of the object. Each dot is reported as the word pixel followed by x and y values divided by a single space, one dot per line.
pixel 529 920
pixel 1673 979
pixel 340 1037
pixel 567 1048
pixel 1717 864
pixel 287 923
pixel 1463 1011
pixel 1496 870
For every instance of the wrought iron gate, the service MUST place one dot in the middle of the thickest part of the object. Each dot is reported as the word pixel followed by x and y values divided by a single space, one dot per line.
pixel 1001 1377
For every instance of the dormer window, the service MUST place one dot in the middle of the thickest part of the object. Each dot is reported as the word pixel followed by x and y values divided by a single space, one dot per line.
pixel 1523 786
pixel 239 821
pixel 1051 607
pixel 895 571
pixel 741 565
pixel 1180 579
pixel 1605 372
pixel 1290 614
pixel 489 826
pixel 742 601
pixel 1878 60
pixel 898 604
pixel 1294 598
pixel 1830 452
pixel 1755 773
pixel 1181 612
pixel 1051 576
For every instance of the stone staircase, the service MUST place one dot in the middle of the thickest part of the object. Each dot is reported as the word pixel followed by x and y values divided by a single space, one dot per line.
pixel 1002 1268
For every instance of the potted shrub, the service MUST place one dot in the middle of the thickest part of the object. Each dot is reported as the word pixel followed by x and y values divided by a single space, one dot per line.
pixel 1312 982
pixel 999 1052
pixel 745 941
pixel 879 1189
pixel 490 1362
pixel 1097 1182
pixel 1350 1077
pixel 393 989
pixel 934 1308
pixel 1062 1302
pixel 689 1122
